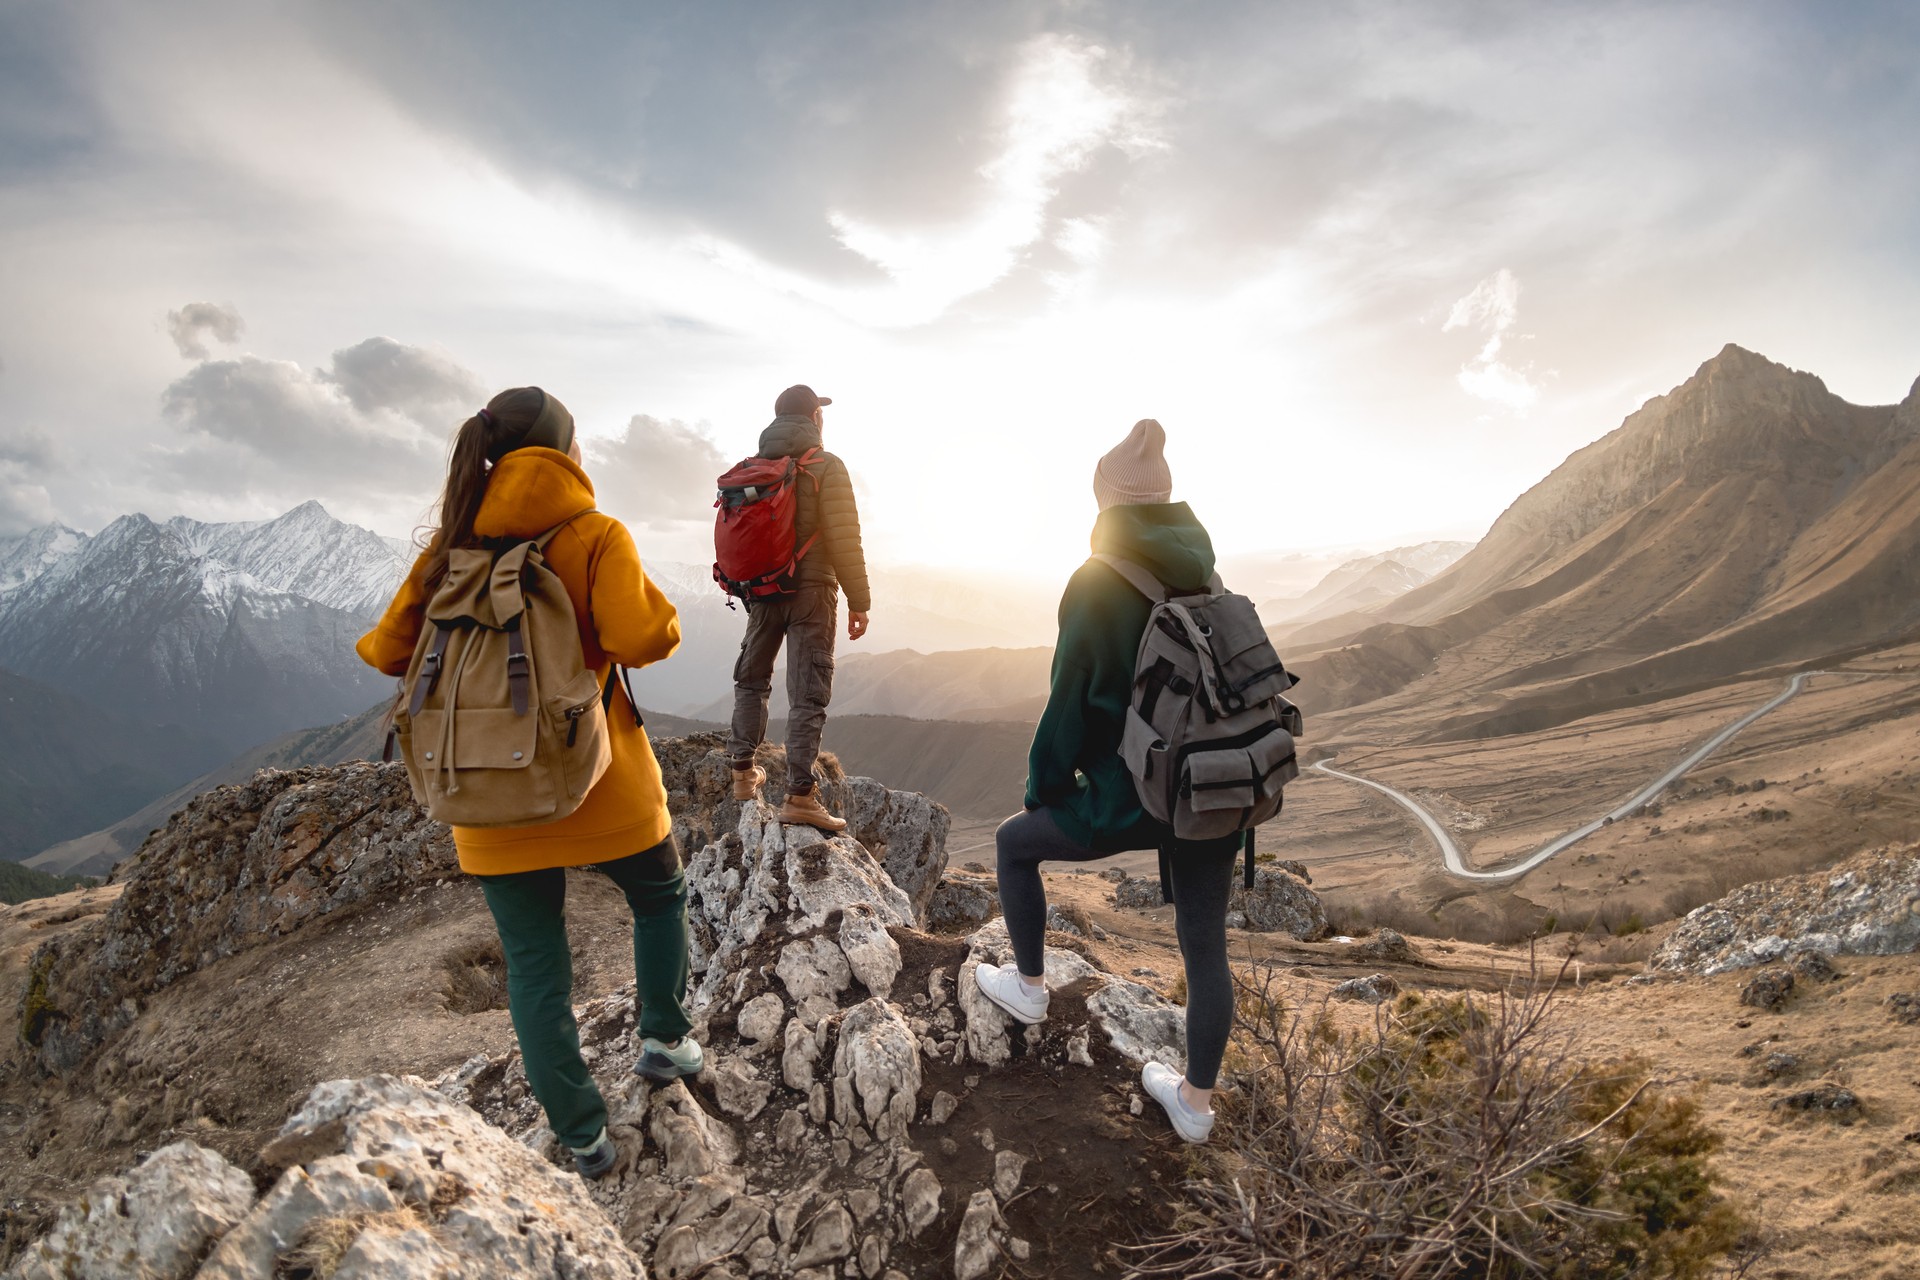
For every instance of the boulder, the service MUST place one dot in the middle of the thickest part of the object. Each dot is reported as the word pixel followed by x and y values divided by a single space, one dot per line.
pixel 1279 902
pixel 155 1223
pixel 1376 988
pixel 963 901
pixel 1867 905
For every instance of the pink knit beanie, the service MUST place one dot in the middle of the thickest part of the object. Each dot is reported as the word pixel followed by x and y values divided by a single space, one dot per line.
pixel 1134 472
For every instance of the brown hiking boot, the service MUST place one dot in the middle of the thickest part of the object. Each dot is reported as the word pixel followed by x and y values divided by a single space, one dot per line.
pixel 746 783
pixel 807 810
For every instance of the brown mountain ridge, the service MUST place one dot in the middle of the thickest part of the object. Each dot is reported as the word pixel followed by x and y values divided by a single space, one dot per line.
pixel 1748 521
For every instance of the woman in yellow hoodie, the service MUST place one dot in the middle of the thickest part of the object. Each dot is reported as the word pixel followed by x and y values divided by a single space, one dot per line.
pixel 515 472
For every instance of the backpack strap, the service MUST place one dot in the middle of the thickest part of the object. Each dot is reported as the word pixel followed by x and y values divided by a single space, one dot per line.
pixel 1148 585
pixel 620 675
pixel 1137 578
pixel 540 540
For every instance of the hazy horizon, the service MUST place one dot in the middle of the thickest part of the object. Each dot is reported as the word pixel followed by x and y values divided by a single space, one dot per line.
pixel 1377 268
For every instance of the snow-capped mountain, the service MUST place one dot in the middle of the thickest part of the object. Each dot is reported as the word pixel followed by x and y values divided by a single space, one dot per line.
pixel 26 557
pixel 305 552
pixel 237 632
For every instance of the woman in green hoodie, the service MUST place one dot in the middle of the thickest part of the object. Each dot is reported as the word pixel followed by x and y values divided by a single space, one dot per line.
pixel 1081 804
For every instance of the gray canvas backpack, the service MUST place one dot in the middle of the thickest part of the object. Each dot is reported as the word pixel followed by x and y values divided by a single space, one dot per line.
pixel 1209 737
pixel 500 721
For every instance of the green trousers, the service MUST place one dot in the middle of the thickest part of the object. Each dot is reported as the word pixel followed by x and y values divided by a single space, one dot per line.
pixel 529 909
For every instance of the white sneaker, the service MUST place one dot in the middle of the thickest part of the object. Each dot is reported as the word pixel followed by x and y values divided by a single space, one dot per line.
pixel 1163 1082
pixel 1002 984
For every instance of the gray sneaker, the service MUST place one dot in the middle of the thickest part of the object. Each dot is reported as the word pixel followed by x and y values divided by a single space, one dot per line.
pixel 659 1063
pixel 596 1161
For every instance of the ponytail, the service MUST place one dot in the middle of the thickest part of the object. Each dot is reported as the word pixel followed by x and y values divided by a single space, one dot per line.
pixel 481 441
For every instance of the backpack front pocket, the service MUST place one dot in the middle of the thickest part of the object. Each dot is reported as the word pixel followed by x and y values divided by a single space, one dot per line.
pixel 576 717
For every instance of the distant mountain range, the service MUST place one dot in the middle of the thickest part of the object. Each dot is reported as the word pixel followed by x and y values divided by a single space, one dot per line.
pixel 1365 582
pixel 239 632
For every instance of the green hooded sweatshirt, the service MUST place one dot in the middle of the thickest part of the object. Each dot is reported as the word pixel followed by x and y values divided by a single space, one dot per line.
pixel 1074 769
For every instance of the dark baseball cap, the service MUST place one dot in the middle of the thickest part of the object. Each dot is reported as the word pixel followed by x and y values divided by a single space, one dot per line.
pixel 799 398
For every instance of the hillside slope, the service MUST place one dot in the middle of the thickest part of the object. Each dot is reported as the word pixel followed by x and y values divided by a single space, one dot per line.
pixel 67 766
pixel 1748 520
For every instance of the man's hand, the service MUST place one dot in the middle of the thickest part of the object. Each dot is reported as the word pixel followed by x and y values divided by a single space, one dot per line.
pixel 856 624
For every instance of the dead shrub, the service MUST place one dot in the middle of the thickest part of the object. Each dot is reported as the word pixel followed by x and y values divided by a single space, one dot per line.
pixel 476 977
pixel 1448 1138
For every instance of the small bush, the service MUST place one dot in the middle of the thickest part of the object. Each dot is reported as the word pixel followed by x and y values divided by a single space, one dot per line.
pixel 1631 925
pixel 1455 1138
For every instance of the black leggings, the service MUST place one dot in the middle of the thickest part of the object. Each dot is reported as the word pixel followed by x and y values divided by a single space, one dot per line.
pixel 1202 879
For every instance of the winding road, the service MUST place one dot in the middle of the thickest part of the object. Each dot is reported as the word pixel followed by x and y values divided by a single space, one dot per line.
pixel 1456 862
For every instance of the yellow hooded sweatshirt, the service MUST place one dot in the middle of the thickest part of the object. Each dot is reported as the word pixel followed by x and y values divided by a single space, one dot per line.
pixel 623 618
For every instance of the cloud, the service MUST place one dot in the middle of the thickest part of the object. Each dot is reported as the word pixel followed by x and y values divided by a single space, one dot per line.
pixel 423 385
pixel 656 473
pixel 1060 111
pixel 25 459
pixel 1492 307
pixel 375 421
pixel 196 320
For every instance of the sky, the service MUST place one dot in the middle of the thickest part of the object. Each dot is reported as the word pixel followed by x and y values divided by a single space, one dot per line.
pixel 1376 267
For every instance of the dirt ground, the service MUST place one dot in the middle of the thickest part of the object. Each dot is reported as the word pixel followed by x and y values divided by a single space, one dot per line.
pixel 224 1055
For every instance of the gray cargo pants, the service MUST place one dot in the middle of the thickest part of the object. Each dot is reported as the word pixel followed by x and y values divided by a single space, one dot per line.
pixel 807 621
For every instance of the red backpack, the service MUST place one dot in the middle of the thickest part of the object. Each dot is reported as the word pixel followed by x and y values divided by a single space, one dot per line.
pixel 756 546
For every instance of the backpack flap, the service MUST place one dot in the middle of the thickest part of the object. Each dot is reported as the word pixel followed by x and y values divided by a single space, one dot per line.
pixel 1219 780
pixel 1248 670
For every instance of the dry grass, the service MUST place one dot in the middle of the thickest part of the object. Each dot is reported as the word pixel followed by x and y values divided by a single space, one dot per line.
pixel 476 978
pixel 324 1242
pixel 1448 1138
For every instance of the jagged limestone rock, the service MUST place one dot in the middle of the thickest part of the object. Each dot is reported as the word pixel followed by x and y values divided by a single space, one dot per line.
pixel 762 1017
pixel 155 1223
pixel 962 901
pixel 1869 905
pixel 880 1058
pixel 814 967
pixel 905 832
pixel 387 1178
pixel 869 949
pixel 1140 1023
pixel 740 1091
pixel 976 1250
pixel 1375 988
pixel 920 1199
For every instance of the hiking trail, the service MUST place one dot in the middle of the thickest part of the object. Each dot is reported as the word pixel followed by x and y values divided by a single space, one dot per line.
pixel 1455 860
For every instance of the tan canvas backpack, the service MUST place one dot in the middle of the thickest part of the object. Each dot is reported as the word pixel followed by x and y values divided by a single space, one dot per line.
pixel 499 719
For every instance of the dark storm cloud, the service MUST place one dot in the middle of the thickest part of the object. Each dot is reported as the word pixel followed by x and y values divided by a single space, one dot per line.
pixel 192 324
pixel 656 473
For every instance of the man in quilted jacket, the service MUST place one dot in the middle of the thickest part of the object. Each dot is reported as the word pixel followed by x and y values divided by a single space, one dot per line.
pixel 807 622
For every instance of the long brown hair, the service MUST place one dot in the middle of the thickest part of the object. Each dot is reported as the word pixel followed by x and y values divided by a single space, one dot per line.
pixel 482 440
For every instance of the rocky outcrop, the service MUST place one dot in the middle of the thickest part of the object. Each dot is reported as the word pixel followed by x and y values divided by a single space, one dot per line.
pixel 842 1041
pixel 241 865
pixel 155 1223
pixel 844 1124
pixel 904 830
pixel 1279 902
pixel 382 1179
pixel 1868 905
pixel 237 867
